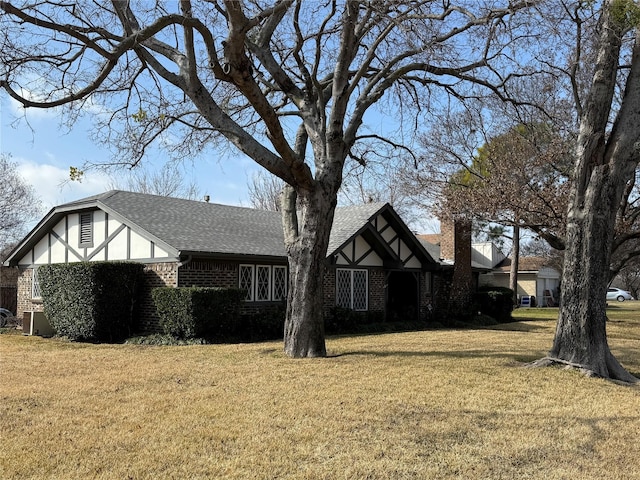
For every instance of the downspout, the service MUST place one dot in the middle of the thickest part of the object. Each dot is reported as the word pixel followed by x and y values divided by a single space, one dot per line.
pixel 182 264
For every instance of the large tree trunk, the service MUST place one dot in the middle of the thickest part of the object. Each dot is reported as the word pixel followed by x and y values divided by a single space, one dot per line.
pixel 306 244
pixel 605 162
pixel 581 337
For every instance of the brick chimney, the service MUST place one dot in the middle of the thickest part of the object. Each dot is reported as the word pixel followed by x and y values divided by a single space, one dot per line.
pixel 447 239
pixel 455 233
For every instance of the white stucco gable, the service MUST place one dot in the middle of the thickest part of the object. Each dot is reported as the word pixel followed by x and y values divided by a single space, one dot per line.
pixel 382 242
pixel 90 235
pixel 358 252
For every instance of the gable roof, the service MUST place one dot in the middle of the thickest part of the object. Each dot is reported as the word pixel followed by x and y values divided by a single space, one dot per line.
pixel 433 247
pixel 188 227
pixel 193 227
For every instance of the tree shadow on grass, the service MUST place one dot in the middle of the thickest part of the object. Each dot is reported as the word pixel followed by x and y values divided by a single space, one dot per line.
pixel 519 326
pixel 456 354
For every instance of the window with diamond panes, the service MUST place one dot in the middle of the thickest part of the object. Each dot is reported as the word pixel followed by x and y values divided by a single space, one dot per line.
pixel 263 283
pixel 359 290
pixel 35 285
pixel 352 289
pixel 246 281
pixel 279 283
pixel 343 288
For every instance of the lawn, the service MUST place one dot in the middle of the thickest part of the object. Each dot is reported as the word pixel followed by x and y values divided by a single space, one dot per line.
pixel 438 404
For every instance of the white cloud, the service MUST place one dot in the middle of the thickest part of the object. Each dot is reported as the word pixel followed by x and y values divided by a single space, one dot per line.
pixel 52 184
pixel 31 113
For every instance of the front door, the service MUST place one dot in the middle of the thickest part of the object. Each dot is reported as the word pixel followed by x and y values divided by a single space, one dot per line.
pixel 402 297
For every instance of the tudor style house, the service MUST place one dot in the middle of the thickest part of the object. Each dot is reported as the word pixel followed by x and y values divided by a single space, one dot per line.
pixel 374 262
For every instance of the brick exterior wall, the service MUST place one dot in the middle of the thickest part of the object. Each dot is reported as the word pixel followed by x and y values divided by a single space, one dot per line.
pixel 329 290
pixel 8 276
pixel 25 302
pixel 377 291
pixel 155 275
pixel 202 273
pixel 377 294
pixel 426 296
pixel 447 242
pixel 210 273
pixel 146 319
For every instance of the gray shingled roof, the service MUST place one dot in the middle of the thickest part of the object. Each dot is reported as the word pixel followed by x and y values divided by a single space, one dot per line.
pixel 195 226
pixel 188 227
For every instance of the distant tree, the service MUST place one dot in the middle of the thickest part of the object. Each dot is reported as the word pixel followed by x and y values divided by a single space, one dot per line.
pixel 264 191
pixel 462 285
pixel 375 175
pixel 518 178
pixel 626 243
pixel 601 75
pixel 491 232
pixel 537 247
pixel 6 250
pixel 19 204
pixel 629 278
pixel 169 181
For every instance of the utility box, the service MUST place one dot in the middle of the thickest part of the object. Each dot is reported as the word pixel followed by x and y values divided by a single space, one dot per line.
pixel 35 323
pixel 527 301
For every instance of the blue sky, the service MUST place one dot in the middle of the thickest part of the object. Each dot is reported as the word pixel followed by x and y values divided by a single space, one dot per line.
pixel 44 152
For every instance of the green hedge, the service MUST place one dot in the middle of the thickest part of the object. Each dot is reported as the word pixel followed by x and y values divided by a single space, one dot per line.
pixel 496 302
pixel 268 324
pixel 198 312
pixel 90 300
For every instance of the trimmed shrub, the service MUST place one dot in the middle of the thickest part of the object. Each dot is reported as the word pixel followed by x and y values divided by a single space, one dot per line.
pixel 496 302
pixel 198 312
pixel 90 300
pixel 342 320
pixel 265 325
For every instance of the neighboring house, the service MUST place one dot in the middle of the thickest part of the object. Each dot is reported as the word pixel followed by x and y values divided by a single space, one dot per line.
pixel 536 278
pixel 374 262
pixel 491 267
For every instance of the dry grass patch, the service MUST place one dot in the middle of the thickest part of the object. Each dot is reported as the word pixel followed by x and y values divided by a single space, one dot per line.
pixel 437 404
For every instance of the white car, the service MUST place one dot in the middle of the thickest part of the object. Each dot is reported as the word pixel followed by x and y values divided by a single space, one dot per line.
pixel 619 295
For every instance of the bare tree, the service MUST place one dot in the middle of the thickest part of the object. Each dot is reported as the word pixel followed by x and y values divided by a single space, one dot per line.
pixel 274 79
pixel 518 177
pixel 602 77
pixel 375 176
pixel 264 191
pixel 19 204
pixel 169 181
